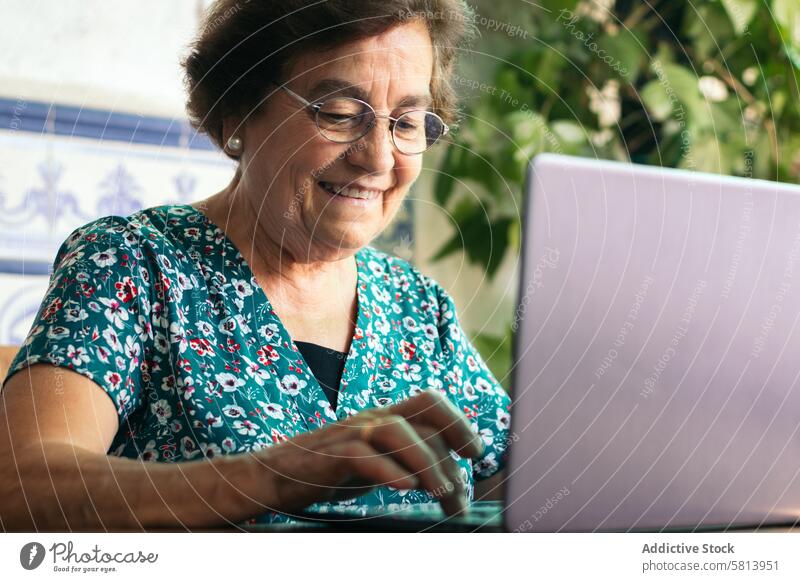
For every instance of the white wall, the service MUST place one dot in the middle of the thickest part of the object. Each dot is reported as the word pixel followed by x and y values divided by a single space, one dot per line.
pixel 108 54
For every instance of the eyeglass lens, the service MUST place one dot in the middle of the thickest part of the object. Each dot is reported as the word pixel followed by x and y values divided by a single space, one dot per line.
pixel 345 120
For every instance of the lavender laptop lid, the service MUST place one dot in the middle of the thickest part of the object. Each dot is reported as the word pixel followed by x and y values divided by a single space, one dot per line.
pixel 657 351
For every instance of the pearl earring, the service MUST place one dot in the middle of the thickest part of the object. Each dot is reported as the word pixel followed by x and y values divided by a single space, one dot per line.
pixel 235 143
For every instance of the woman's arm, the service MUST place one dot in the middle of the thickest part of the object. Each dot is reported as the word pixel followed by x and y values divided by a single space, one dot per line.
pixel 56 427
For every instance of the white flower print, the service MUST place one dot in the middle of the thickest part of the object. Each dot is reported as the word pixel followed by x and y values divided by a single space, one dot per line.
pixel 105 258
pixel 469 391
pixel 326 407
pixel 143 328
pixel 189 448
pixel 73 314
pixel 57 332
pixel 112 339
pixel 376 268
pixel 161 343
pixel 177 335
pixel 233 411
pixel 257 373
pixel 78 355
pixel 210 450
pixel 434 383
pixel 205 328
pixel 267 332
pixel 503 419
pixel 487 436
pixel 227 326
pixel 186 387
pixel 150 453
pixel 386 385
pixel 482 385
pixel 242 288
pixel 102 353
pixel 291 385
pixel 487 465
pixel 430 331
pixel 162 410
pixel 229 382
pixel 245 427
pixel 409 371
pixel 132 349
pixel 115 311
pixel 272 409
pixel 114 379
pixel 213 420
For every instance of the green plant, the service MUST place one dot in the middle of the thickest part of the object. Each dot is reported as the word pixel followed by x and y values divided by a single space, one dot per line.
pixel 710 85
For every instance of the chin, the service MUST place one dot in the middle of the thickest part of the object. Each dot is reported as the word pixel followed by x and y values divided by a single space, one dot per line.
pixel 348 242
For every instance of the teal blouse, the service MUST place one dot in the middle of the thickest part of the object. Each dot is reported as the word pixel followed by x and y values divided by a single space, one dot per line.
pixel 163 313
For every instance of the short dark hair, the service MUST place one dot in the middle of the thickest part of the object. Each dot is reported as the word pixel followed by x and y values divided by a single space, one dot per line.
pixel 245 46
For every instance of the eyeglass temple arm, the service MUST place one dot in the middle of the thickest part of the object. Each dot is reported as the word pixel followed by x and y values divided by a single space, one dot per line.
pixel 300 99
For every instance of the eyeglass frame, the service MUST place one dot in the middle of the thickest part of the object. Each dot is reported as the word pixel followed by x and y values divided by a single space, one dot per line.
pixel 317 105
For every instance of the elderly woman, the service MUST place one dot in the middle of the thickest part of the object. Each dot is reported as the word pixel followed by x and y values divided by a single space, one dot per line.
pixel 253 346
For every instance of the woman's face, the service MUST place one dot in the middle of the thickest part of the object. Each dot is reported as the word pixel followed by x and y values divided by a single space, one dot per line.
pixel 285 159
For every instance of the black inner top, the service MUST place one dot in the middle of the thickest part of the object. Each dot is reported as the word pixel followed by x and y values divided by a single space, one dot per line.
pixel 327 366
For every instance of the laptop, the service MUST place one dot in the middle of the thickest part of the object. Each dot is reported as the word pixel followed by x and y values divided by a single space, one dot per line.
pixel 657 353
pixel 656 347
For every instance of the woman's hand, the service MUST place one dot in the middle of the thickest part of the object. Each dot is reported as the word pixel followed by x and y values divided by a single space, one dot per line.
pixel 406 446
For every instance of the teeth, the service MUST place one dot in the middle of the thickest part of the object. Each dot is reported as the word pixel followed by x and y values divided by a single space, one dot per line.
pixel 350 192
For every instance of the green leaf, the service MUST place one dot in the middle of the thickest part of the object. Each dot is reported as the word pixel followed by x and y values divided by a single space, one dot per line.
pixel 787 15
pixel 444 181
pixel 548 71
pixel 622 53
pixel 569 132
pixel 655 97
pixel 484 241
pixel 496 352
pixel 741 12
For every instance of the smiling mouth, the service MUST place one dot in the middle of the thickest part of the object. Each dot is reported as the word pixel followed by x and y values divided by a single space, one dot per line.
pixel 347 192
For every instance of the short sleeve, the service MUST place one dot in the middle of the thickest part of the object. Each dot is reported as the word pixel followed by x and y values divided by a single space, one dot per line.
pixel 95 316
pixel 484 401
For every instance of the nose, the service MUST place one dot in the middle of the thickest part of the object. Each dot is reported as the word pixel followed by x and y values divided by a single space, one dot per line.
pixel 375 151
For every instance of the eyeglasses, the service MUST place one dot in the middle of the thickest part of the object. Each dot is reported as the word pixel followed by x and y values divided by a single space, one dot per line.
pixel 347 119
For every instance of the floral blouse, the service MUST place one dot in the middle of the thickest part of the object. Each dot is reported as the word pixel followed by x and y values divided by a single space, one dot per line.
pixel 163 313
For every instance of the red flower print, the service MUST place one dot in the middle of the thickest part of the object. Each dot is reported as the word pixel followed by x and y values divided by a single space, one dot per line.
pixel 201 346
pixel 52 309
pixel 267 354
pixel 408 349
pixel 126 289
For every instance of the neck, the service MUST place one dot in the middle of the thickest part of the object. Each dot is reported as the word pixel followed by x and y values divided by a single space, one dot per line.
pixel 288 277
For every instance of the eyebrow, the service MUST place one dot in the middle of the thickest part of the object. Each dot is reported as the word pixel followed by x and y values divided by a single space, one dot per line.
pixel 328 88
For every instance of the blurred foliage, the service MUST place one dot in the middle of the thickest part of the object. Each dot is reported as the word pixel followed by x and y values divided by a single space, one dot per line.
pixel 709 85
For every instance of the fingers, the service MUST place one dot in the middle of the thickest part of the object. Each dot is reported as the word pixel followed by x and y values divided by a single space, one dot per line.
pixel 454 498
pixel 394 436
pixel 359 458
pixel 298 477
pixel 434 410
pixel 422 451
